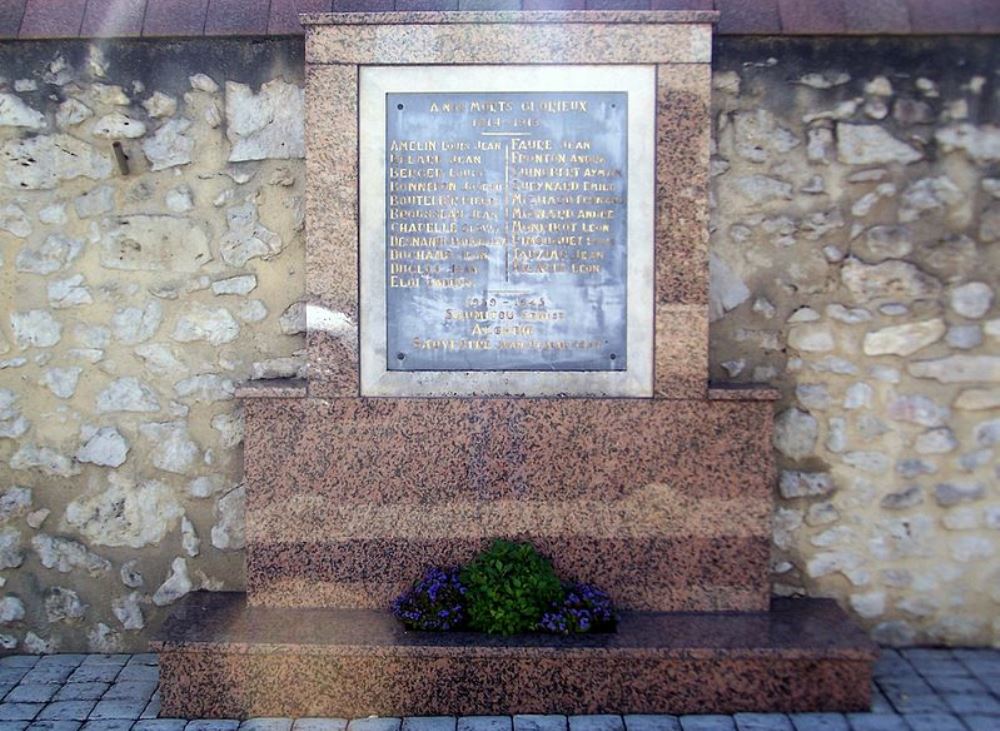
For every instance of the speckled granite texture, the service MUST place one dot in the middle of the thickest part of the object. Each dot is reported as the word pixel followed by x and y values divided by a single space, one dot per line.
pixel 666 503
pixel 221 658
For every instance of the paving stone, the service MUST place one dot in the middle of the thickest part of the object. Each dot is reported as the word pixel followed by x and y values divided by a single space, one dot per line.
pixel 917 655
pixel 638 722
pixel 891 663
pixel 32 693
pixel 977 722
pixel 217 724
pixel 132 690
pixel 429 723
pixel 973 703
pixel 117 709
pixel 67 660
pixel 19 661
pixel 928 702
pixel 67 711
pixel 108 724
pixel 160 724
pixel 97 673
pixel 876 722
pixel 140 672
pixel 13 725
pixel 956 684
pixel 12 674
pixel 5 688
pixel 935 722
pixel 49 674
pixel 81 691
pixel 54 725
pixel 601 722
pixel 19 711
pixel 478 723
pixel 266 724
pixel 116 659
pixel 951 666
pixel 707 723
pixel 763 722
pixel 152 709
pixel 320 724
pixel 819 722
pixel 144 658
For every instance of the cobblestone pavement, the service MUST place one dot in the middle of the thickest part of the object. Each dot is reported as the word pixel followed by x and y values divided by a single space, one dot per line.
pixel 916 690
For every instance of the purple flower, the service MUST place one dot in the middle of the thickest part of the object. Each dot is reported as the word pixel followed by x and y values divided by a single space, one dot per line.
pixel 435 603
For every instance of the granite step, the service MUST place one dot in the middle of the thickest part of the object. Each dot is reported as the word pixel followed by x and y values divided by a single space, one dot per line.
pixel 222 658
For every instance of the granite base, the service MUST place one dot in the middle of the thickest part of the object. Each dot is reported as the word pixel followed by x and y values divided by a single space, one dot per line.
pixel 221 658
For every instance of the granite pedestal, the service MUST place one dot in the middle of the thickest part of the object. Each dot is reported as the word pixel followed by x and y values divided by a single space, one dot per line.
pixel 656 487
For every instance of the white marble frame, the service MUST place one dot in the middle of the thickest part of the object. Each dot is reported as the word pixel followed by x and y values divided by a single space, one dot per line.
pixel 639 81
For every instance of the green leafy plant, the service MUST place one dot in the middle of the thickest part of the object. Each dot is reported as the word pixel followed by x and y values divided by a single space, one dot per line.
pixel 509 587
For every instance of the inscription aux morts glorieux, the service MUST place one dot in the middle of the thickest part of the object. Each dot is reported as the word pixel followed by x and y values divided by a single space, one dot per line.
pixel 506 228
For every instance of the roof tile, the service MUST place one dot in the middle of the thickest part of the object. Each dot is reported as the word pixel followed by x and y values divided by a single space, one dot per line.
pixel 553 4
pixel 113 18
pixel 617 4
pixel 284 18
pixel 748 16
pixel 426 5
pixel 362 6
pixel 877 16
pixel 237 17
pixel 683 5
pixel 175 18
pixel 52 18
pixel 11 12
pixel 944 16
pixel 812 16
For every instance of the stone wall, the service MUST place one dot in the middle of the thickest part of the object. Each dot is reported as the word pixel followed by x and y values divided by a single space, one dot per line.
pixel 133 302
pixel 856 189
pixel 855 265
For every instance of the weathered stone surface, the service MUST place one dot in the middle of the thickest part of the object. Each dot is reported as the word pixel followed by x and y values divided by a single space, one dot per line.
pixel 118 126
pixel 918 410
pixel 952 493
pixel 160 105
pixel 228 531
pixel 125 513
pixel 936 441
pixel 293 319
pixel 278 368
pixel 202 322
pixel 173 449
pixel 205 388
pixel 11 609
pixel 884 242
pixel 154 243
pixel 243 284
pixel 761 189
pixel 45 459
pixel 795 433
pixel 72 112
pixel 870 144
pixel 972 299
pixel 65 555
pixel 14 503
pixel 11 551
pixel 926 195
pixel 959 368
pixel 43 162
pixel 13 423
pixel 134 325
pixel 15 113
pixel 69 292
pixel 247 238
pixel 15 221
pixel 169 146
pixel 127 394
pixel 811 338
pixel 63 605
pixel 890 280
pixel 128 611
pixel 230 428
pixel 982 144
pixel 53 254
pixel 907 498
pixel 987 433
pixel 793 484
pixel 35 329
pixel 269 124
pixel 96 202
pixel 904 339
pixel 177 584
pixel 104 446
pixel 61 381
